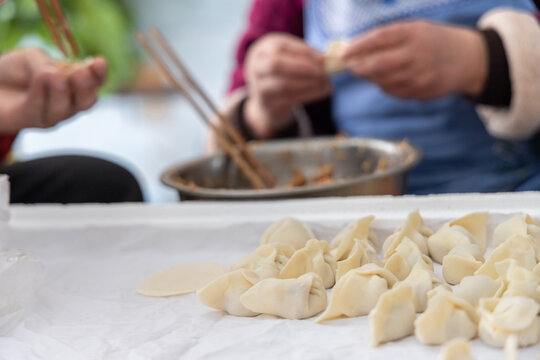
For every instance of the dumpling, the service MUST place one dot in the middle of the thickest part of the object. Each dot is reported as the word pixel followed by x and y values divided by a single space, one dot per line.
pixel 343 242
pixel 421 281
pixel 413 229
pixel 503 317
pixel 362 253
pixel 456 349
pixel 511 348
pixel 518 281
pixel 406 256
pixel 474 288
pixel 446 317
pixel 288 298
pixel 224 292
pixel 332 60
pixel 314 257
pixel 357 292
pixel 468 229
pixel 393 316
pixel 517 247
pixel 522 225
pixel 461 261
pixel 288 231
pixel 267 260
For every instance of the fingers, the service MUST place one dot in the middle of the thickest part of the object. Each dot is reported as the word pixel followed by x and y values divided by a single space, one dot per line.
pixel 378 39
pixel 292 67
pixel 34 107
pixel 84 86
pixel 59 104
pixel 382 63
pixel 98 66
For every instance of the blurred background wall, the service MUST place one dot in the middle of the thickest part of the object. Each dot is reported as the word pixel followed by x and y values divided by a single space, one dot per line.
pixel 151 130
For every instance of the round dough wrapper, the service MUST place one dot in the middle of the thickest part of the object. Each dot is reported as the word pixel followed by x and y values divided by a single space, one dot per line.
pixel 180 280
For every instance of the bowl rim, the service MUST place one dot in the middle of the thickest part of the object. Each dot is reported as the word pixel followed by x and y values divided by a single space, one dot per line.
pixel 167 177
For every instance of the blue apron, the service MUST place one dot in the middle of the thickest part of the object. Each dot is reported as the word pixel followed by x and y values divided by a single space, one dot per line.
pixel 459 154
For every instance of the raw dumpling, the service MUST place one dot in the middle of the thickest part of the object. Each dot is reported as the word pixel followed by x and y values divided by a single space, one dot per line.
pixel 224 292
pixel 474 288
pixel 461 261
pixel 446 317
pixel 406 256
pixel 332 61
pixel 267 260
pixel 413 229
pixel 517 247
pixel 314 257
pixel 361 254
pixel 288 298
pixel 421 281
pixel 393 316
pixel 468 229
pixel 288 231
pixel 456 349
pixel 343 242
pixel 357 292
pixel 503 317
pixel 522 225
pixel 518 281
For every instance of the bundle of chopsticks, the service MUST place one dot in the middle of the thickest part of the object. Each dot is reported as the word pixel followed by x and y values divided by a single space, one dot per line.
pixel 228 137
pixel 56 21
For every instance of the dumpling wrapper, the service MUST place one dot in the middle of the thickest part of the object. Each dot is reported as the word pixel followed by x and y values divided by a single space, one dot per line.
pixel 393 316
pixel 332 61
pixel 224 292
pixel 413 229
pixel 518 281
pixel 357 292
pixel 287 298
pixel 456 349
pixel 461 261
pixel 288 231
pixel 267 260
pixel 421 280
pixel 343 243
pixel 474 288
pixel 362 253
pixel 180 280
pixel 405 258
pixel 517 247
pixel 504 317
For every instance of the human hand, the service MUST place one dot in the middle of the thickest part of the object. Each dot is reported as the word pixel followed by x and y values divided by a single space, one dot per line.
pixel 282 71
pixel 420 60
pixel 37 91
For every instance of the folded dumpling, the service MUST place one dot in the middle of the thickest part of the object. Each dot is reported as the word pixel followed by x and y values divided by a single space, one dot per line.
pixel 461 261
pixel 518 247
pixel 474 288
pixel 267 260
pixel 314 257
pixel 522 225
pixel 413 229
pixel 405 257
pixel 456 349
pixel 288 231
pixel 357 292
pixel 287 298
pixel 446 317
pixel 468 229
pixel 518 280
pixel 503 317
pixel 361 254
pixel 224 292
pixel 393 316
pixel 421 280
pixel 343 242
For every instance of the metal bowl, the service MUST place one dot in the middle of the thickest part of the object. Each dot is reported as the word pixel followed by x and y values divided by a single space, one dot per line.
pixel 362 166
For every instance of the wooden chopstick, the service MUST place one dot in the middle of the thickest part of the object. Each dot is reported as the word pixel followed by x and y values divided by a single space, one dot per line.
pixel 231 130
pixel 242 164
pixel 56 21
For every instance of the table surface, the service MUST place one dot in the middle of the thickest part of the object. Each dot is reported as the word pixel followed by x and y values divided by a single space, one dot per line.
pixel 96 255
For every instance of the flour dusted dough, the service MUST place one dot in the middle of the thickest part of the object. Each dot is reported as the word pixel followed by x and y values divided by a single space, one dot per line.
pixel 518 281
pixel 332 61
pixel 421 280
pixel 468 229
pixel 288 231
pixel 503 317
pixel 461 261
pixel 291 298
pixel 446 317
pixel 344 241
pixel 518 247
pixel 180 280
pixel 314 257
pixel 224 292
pixel 456 349
pixel 474 288
pixel 357 292
pixel 267 260
pixel 413 229
pixel 406 256
pixel 518 225
pixel 393 316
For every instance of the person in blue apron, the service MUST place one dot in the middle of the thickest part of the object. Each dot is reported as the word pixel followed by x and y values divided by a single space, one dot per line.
pixel 459 153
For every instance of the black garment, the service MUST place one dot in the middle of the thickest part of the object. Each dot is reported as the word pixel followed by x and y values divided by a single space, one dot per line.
pixel 70 179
